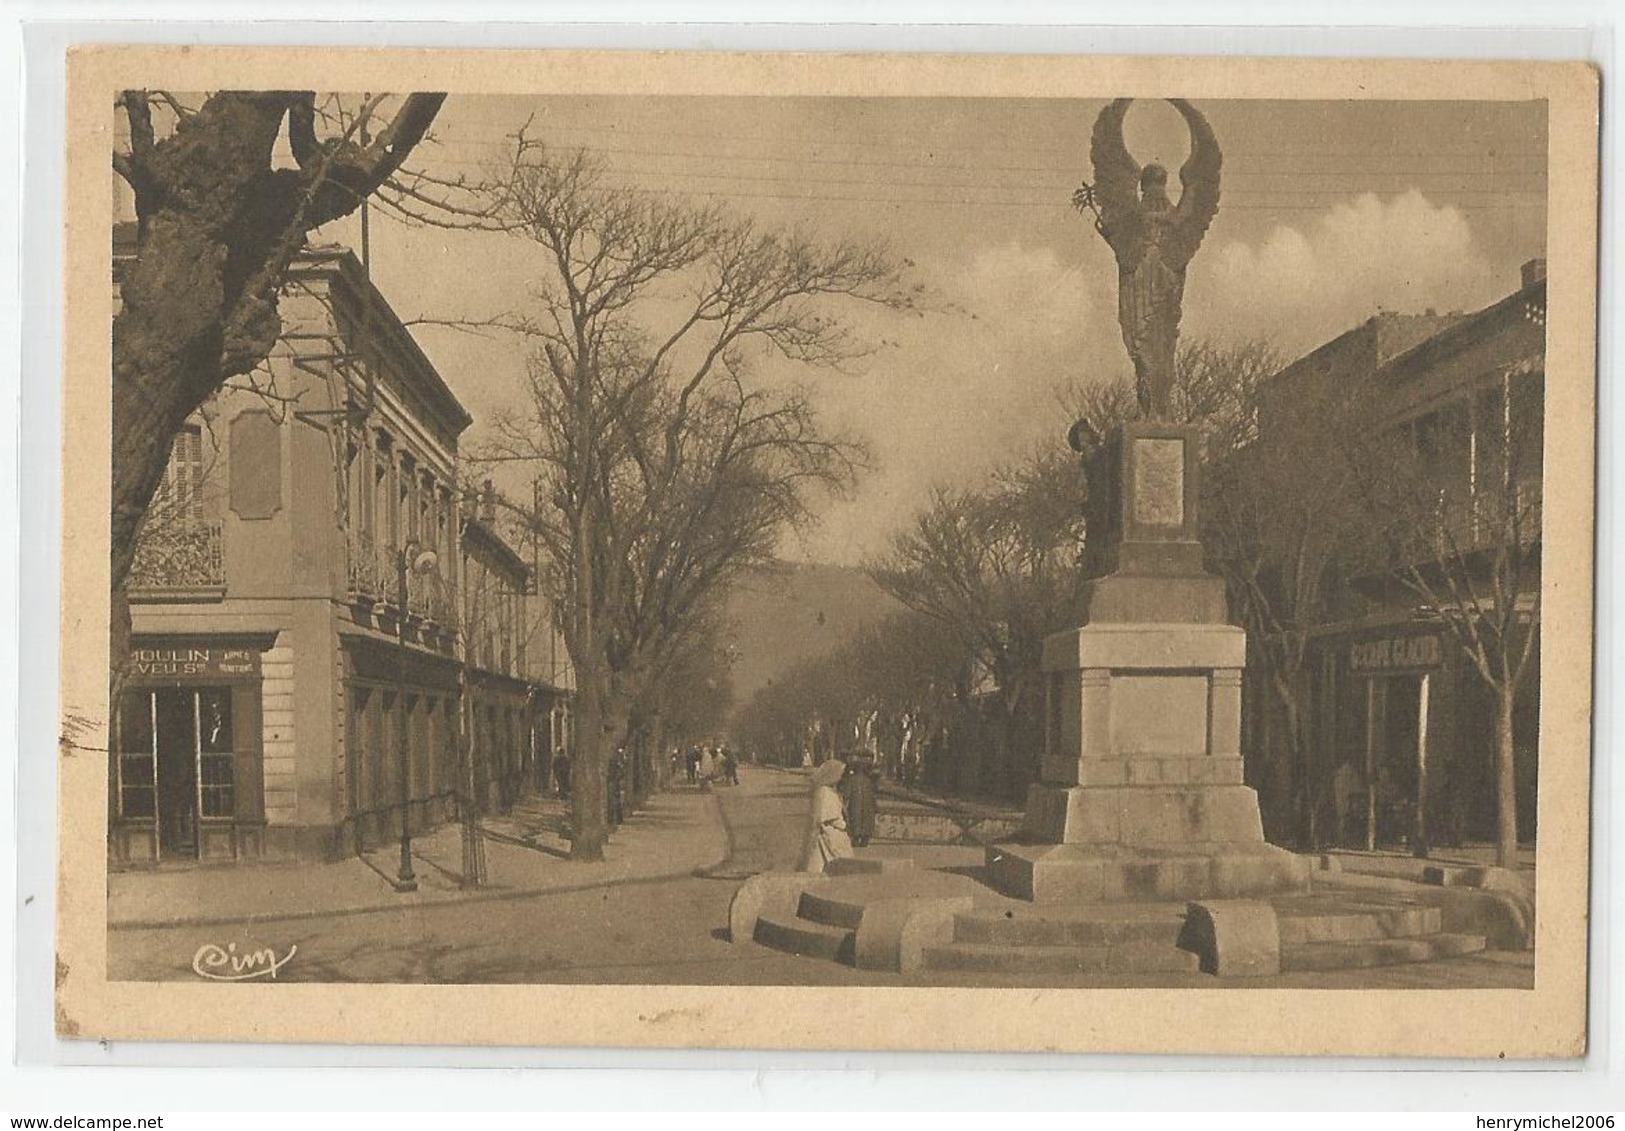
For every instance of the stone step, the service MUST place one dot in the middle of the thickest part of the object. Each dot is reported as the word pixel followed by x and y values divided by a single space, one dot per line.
pixel 1309 927
pixel 805 938
pixel 1378 952
pixel 1033 930
pixel 830 909
pixel 1129 958
pixel 867 865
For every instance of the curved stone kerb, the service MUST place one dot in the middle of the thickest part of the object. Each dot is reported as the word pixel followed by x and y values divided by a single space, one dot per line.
pixel 894 933
pixel 767 891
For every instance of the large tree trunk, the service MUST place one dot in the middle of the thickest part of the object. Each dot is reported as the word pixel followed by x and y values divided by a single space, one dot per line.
pixel 589 793
pixel 219 227
pixel 1285 684
pixel 217 231
pixel 1506 782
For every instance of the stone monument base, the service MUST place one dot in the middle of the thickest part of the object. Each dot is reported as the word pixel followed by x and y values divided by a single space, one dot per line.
pixel 1142 796
pixel 1104 873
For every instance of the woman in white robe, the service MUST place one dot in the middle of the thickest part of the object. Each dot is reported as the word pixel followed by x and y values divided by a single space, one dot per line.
pixel 826 828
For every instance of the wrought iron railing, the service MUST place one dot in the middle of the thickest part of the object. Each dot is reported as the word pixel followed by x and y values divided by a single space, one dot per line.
pixel 373 574
pixel 1460 526
pixel 173 554
pixel 368 573
pixel 1488 520
pixel 427 598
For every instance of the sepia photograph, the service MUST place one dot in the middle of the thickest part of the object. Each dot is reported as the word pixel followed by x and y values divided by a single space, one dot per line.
pixel 1049 529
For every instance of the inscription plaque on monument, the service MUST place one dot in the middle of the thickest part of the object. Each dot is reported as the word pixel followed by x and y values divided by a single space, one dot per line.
pixel 1159 481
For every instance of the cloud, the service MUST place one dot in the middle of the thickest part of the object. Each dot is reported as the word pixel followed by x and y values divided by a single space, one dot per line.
pixel 959 392
pixel 1302 286
pixel 967 386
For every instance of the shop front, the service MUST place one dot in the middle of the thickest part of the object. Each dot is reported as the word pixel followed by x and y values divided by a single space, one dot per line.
pixel 402 740
pixel 187 782
pixel 1406 738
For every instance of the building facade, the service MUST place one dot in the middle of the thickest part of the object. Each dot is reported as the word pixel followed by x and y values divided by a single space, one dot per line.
pixel 518 681
pixel 299 666
pixel 1401 721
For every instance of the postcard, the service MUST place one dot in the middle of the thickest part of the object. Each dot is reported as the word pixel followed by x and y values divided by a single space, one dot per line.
pixel 828 551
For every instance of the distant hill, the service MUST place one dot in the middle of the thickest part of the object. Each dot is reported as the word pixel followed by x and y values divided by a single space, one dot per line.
pixel 792 611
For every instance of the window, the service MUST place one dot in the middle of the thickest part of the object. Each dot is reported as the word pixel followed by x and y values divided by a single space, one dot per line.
pixel 214 752
pixel 1489 440
pixel 138 761
pixel 177 755
pixel 177 497
pixel 381 520
pixel 405 497
pixel 1444 445
pixel 1528 421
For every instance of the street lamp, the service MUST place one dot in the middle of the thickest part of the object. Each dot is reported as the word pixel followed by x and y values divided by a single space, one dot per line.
pixel 409 559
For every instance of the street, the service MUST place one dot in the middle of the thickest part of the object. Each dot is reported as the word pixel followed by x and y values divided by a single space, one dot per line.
pixel 670 930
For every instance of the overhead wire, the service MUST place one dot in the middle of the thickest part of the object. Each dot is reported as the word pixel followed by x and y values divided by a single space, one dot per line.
pixel 1279 197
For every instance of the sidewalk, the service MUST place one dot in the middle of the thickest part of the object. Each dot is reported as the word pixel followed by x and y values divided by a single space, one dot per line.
pixel 676 833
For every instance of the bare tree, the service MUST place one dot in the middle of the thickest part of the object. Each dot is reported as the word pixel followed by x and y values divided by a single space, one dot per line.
pixel 218 225
pixel 1215 386
pixel 999 567
pixel 1277 516
pixel 666 465
pixel 1002 565
pixel 907 663
pixel 1456 510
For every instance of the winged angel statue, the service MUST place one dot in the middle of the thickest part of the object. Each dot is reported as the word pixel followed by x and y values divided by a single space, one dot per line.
pixel 1152 238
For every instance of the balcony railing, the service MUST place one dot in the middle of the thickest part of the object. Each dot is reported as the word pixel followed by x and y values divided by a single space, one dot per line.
pixel 1461 527
pixel 367 571
pixel 172 555
pixel 427 598
pixel 373 575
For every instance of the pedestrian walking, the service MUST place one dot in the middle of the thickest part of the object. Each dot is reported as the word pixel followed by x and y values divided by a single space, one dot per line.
pixel 859 786
pixel 708 767
pixel 692 763
pixel 826 824
pixel 561 773
pixel 730 766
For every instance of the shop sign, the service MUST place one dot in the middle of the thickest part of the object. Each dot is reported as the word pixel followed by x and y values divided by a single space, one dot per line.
pixel 1388 654
pixel 195 663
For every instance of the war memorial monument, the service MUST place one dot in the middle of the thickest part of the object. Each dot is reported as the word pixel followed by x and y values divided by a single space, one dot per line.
pixel 1142 850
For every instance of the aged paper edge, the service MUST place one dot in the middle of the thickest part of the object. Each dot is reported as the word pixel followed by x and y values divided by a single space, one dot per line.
pixel 1548 1021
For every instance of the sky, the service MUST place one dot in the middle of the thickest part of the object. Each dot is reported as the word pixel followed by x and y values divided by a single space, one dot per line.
pixel 1330 212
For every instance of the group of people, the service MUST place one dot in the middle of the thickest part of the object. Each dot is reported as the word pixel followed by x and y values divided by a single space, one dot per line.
pixel 842 818
pixel 707 765
pixel 896 742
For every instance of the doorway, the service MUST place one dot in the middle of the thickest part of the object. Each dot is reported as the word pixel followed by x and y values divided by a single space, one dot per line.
pixel 177 767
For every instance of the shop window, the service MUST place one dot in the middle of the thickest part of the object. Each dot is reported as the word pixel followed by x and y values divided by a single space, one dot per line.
pixel 177 761
pixel 214 752
pixel 137 778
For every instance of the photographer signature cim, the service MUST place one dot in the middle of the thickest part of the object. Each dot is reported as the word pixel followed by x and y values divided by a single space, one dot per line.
pixel 226 964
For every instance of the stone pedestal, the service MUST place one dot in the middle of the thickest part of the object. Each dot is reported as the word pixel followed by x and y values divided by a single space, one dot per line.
pixel 1141 793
